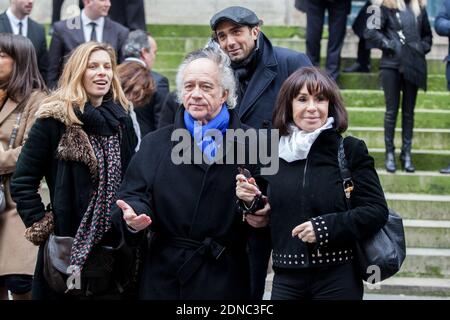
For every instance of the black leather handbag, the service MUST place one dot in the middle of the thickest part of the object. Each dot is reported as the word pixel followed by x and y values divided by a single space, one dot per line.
pixel 107 270
pixel 381 255
pixel 97 274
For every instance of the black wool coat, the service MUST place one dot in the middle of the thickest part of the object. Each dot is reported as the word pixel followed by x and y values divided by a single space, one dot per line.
pixel 190 201
pixel 275 65
pixel 311 190
pixel 65 158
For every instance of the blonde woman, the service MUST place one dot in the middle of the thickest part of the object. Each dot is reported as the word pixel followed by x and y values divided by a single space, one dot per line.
pixel 81 143
pixel 21 90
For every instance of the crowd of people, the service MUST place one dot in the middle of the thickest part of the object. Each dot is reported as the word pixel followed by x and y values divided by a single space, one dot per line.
pixel 125 220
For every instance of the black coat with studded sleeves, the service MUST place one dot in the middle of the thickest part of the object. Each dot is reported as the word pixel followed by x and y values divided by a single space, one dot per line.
pixel 63 156
pixel 198 249
pixel 311 190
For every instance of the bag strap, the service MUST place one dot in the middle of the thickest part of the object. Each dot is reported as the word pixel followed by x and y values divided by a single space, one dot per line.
pixel 346 174
pixel 400 33
pixel 12 138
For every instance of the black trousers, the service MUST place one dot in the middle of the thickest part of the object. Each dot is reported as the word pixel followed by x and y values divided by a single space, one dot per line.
pixel 363 57
pixel 393 84
pixel 359 25
pixel 337 20
pixel 56 10
pixel 16 283
pixel 129 13
pixel 448 75
pixel 260 247
pixel 339 282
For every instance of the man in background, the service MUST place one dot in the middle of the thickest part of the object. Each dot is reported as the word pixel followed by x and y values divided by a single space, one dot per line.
pixel 92 25
pixel 142 47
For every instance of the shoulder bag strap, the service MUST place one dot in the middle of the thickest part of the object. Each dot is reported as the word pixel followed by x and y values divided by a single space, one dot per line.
pixel 12 138
pixel 346 174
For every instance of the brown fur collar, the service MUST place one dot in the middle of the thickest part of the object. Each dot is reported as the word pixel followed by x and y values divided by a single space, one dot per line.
pixel 74 144
pixel 53 110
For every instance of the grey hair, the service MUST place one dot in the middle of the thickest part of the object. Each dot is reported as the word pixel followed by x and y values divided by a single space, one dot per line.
pixel 136 41
pixel 226 76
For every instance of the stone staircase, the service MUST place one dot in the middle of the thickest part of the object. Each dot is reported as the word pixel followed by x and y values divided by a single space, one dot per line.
pixel 422 198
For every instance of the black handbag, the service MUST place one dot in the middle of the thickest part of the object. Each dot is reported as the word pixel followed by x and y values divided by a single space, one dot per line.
pixel 107 270
pixel 412 59
pixel 381 255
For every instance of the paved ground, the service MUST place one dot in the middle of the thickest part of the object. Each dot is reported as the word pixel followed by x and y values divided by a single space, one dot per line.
pixel 385 297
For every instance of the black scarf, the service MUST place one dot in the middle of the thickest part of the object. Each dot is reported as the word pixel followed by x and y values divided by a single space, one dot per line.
pixel 243 71
pixel 104 120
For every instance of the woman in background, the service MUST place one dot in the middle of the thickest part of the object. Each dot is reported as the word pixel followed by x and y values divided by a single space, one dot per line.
pixel 403 23
pixel 21 91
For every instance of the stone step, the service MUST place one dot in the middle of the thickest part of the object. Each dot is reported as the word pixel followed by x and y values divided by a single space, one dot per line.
pixel 435 82
pixel 375 98
pixel 423 118
pixel 408 286
pixel 420 182
pixel 426 262
pixel 420 206
pixel 411 286
pixel 372 296
pixel 427 233
pixel 184 45
pixel 425 160
pixel 434 139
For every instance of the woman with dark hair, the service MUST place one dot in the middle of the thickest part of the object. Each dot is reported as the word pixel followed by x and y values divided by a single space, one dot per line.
pixel 139 88
pixel 21 90
pixel 313 231
pixel 81 142
pixel 405 37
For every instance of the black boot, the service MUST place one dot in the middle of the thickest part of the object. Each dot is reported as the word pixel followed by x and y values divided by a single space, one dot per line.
pixel 356 67
pixel 406 161
pixel 389 163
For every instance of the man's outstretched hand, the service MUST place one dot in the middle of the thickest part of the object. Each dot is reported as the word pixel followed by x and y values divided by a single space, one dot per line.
pixel 136 222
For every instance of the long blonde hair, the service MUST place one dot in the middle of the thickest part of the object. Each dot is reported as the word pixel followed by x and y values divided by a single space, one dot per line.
pixel 71 92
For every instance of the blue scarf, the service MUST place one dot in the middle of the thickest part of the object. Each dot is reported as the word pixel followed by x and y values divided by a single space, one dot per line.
pixel 202 133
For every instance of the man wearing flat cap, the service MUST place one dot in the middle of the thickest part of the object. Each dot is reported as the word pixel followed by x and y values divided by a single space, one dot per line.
pixel 260 70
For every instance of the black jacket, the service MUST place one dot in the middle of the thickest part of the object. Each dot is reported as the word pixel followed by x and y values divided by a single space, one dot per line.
pixel 416 30
pixel 195 202
pixel 69 181
pixel 442 23
pixel 36 34
pixel 68 34
pixel 149 115
pixel 311 190
pixel 274 66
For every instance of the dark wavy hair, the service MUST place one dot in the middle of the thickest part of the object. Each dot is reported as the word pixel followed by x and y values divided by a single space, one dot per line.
pixel 25 77
pixel 316 81
pixel 137 83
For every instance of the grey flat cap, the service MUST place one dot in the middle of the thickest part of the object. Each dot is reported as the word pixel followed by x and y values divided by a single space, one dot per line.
pixel 236 14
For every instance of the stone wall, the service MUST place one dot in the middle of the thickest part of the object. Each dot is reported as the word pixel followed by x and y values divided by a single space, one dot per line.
pixel 273 12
